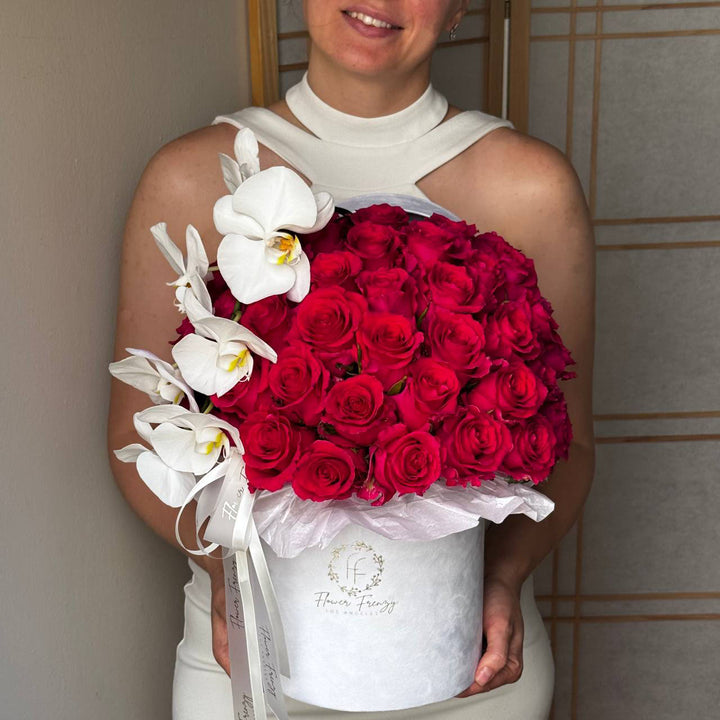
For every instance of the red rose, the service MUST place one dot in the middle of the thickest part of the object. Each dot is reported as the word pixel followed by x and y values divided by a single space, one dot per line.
pixel 459 228
pixel 325 472
pixel 514 390
pixel 248 395
pixel 376 245
pixel 543 322
pixel 533 454
pixel 382 214
pixel 405 462
pixel 225 305
pixel 269 319
pixel 556 412
pixel 216 285
pixel 552 363
pixel 386 346
pixel 474 445
pixel 335 268
pixel 429 241
pixel 272 449
pixel 183 329
pixel 431 391
pixel 355 408
pixel 327 320
pixel 516 269
pixel 328 239
pixel 510 330
pixel 458 341
pixel 460 288
pixel 298 382
pixel 390 290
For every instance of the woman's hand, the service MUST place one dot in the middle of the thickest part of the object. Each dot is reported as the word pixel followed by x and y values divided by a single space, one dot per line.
pixel 502 661
pixel 217 614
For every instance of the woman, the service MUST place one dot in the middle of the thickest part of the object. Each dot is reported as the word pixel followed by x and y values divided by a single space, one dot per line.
pixel 371 60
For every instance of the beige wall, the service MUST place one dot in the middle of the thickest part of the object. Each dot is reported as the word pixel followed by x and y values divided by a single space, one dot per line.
pixel 90 600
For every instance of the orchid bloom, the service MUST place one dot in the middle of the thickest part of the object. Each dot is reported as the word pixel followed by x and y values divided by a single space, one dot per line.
pixel 185 441
pixel 235 172
pixel 192 272
pixel 171 486
pixel 218 355
pixel 260 254
pixel 159 379
pixel 184 445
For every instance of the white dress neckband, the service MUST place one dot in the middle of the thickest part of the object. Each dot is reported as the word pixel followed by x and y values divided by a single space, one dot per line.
pixel 347 155
pixel 331 125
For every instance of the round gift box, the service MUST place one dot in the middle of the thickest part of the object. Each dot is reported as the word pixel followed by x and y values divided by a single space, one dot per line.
pixel 374 624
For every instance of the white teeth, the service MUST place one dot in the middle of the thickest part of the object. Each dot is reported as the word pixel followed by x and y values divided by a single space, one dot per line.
pixel 367 20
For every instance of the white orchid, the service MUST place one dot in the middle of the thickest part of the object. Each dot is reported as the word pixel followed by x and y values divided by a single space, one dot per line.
pixel 235 172
pixel 185 441
pixel 192 271
pixel 218 355
pixel 171 486
pixel 184 445
pixel 159 379
pixel 260 254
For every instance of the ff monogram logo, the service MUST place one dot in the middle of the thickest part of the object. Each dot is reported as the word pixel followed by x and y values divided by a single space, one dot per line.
pixel 355 568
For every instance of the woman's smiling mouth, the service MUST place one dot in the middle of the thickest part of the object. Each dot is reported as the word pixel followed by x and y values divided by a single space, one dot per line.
pixel 370 21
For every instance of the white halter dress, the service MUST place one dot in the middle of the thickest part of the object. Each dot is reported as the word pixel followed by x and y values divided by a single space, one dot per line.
pixel 350 156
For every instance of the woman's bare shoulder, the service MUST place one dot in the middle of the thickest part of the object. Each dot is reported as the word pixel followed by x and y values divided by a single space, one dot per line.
pixel 514 181
pixel 183 179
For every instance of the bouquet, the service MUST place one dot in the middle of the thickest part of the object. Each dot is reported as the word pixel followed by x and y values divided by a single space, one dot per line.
pixel 339 367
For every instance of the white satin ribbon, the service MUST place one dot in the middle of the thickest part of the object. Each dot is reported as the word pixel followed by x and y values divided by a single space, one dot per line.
pixel 258 652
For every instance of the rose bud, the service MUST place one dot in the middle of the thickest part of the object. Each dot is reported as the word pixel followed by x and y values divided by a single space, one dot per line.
pixel 405 461
pixel 335 268
pixel 514 390
pixel 430 392
pixel 355 408
pixel 458 341
pixel 387 344
pixel 533 454
pixel 327 320
pixel 325 472
pixel 376 245
pixel 272 450
pixel 298 383
pixel 474 445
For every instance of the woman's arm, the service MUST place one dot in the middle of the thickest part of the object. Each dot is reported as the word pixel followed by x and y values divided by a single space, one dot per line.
pixel 538 205
pixel 179 187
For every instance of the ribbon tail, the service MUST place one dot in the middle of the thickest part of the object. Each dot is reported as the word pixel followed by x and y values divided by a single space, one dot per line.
pixel 269 596
pixel 245 664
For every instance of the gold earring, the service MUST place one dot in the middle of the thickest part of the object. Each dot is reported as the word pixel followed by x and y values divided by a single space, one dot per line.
pixel 453 31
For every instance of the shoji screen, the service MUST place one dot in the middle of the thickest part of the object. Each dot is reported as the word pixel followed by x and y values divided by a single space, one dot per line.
pixel 631 92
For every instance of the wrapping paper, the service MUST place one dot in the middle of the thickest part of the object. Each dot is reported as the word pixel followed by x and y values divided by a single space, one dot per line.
pixel 289 524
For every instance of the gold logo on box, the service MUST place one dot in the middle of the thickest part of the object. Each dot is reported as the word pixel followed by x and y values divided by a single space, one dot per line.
pixel 355 568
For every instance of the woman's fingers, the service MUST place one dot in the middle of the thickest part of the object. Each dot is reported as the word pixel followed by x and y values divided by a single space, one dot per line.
pixel 511 671
pixel 501 663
